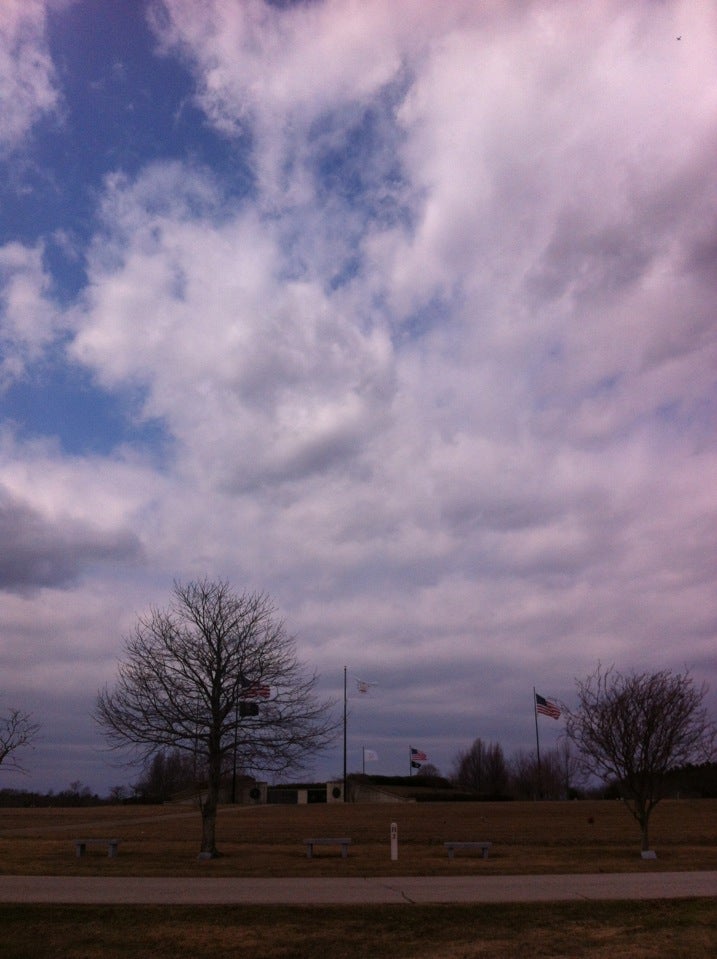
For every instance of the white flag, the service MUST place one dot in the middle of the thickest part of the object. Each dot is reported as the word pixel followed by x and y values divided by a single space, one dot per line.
pixel 370 755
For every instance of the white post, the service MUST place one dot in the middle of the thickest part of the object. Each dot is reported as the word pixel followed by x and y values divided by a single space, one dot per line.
pixel 394 842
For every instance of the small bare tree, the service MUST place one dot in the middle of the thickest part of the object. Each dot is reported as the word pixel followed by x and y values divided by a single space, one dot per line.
pixel 216 676
pixel 530 779
pixel 635 728
pixel 17 731
pixel 481 767
pixel 568 767
pixel 525 777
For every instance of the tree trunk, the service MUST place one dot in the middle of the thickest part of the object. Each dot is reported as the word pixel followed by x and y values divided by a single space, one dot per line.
pixel 645 836
pixel 644 832
pixel 640 810
pixel 209 806
pixel 209 827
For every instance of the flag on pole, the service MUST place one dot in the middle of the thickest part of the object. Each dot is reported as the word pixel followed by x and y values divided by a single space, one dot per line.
pixel 362 686
pixel 418 755
pixel 546 708
pixel 256 691
pixel 370 755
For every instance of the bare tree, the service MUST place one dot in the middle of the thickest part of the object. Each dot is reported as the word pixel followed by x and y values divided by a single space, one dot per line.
pixel 569 768
pixel 17 731
pixel 530 779
pixel 635 728
pixel 216 675
pixel 429 771
pixel 481 767
pixel 524 773
pixel 167 773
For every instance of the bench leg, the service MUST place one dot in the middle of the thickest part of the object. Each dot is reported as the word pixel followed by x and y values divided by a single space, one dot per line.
pixel 344 850
pixel 309 850
pixel 79 849
pixel 485 852
pixel 451 852
pixel 112 850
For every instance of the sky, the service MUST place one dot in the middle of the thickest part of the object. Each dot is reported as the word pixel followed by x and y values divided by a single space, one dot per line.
pixel 401 312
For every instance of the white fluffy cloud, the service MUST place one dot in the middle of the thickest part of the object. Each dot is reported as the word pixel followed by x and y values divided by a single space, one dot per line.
pixel 510 366
pixel 28 86
pixel 29 319
pixel 262 375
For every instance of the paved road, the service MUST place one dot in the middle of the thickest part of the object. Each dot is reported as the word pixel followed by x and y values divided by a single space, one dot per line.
pixel 408 889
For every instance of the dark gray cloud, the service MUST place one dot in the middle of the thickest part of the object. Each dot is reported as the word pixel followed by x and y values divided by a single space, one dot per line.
pixel 39 553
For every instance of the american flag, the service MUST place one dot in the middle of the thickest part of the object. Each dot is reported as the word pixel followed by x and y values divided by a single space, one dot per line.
pixel 256 691
pixel 418 755
pixel 546 708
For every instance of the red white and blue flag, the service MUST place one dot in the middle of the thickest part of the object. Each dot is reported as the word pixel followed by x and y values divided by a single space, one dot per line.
pixel 546 707
pixel 256 691
pixel 418 755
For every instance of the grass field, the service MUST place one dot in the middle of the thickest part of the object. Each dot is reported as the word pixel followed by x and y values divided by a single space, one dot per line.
pixel 266 841
pixel 641 930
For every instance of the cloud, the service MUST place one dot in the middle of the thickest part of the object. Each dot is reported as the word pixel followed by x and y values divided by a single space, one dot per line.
pixel 251 57
pixel 440 378
pixel 504 370
pixel 267 374
pixel 28 87
pixel 39 553
pixel 29 320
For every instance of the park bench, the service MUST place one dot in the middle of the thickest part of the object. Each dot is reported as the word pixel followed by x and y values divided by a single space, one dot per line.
pixel 452 846
pixel 82 844
pixel 344 843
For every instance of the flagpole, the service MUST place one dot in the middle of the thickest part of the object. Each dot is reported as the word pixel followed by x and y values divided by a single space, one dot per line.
pixel 363 760
pixel 345 697
pixel 537 746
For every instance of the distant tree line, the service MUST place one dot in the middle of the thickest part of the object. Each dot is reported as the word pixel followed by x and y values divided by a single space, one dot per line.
pixel 76 794
pixel 484 770
pixel 163 779
pixel 559 778
pixel 167 775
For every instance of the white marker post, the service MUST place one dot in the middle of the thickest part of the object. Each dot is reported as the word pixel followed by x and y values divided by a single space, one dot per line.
pixel 394 842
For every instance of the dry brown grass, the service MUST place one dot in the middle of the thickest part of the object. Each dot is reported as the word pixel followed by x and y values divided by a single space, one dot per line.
pixel 641 930
pixel 267 840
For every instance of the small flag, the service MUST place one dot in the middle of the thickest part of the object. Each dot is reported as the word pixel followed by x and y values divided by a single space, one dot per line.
pixel 362 686
pixel 546 708
pixel 370 755
pixel 415 765
pixel 418 756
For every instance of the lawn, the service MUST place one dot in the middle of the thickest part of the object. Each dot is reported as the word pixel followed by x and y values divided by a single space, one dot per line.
pixel 267 840
pixel 541 837
pixel 641 930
